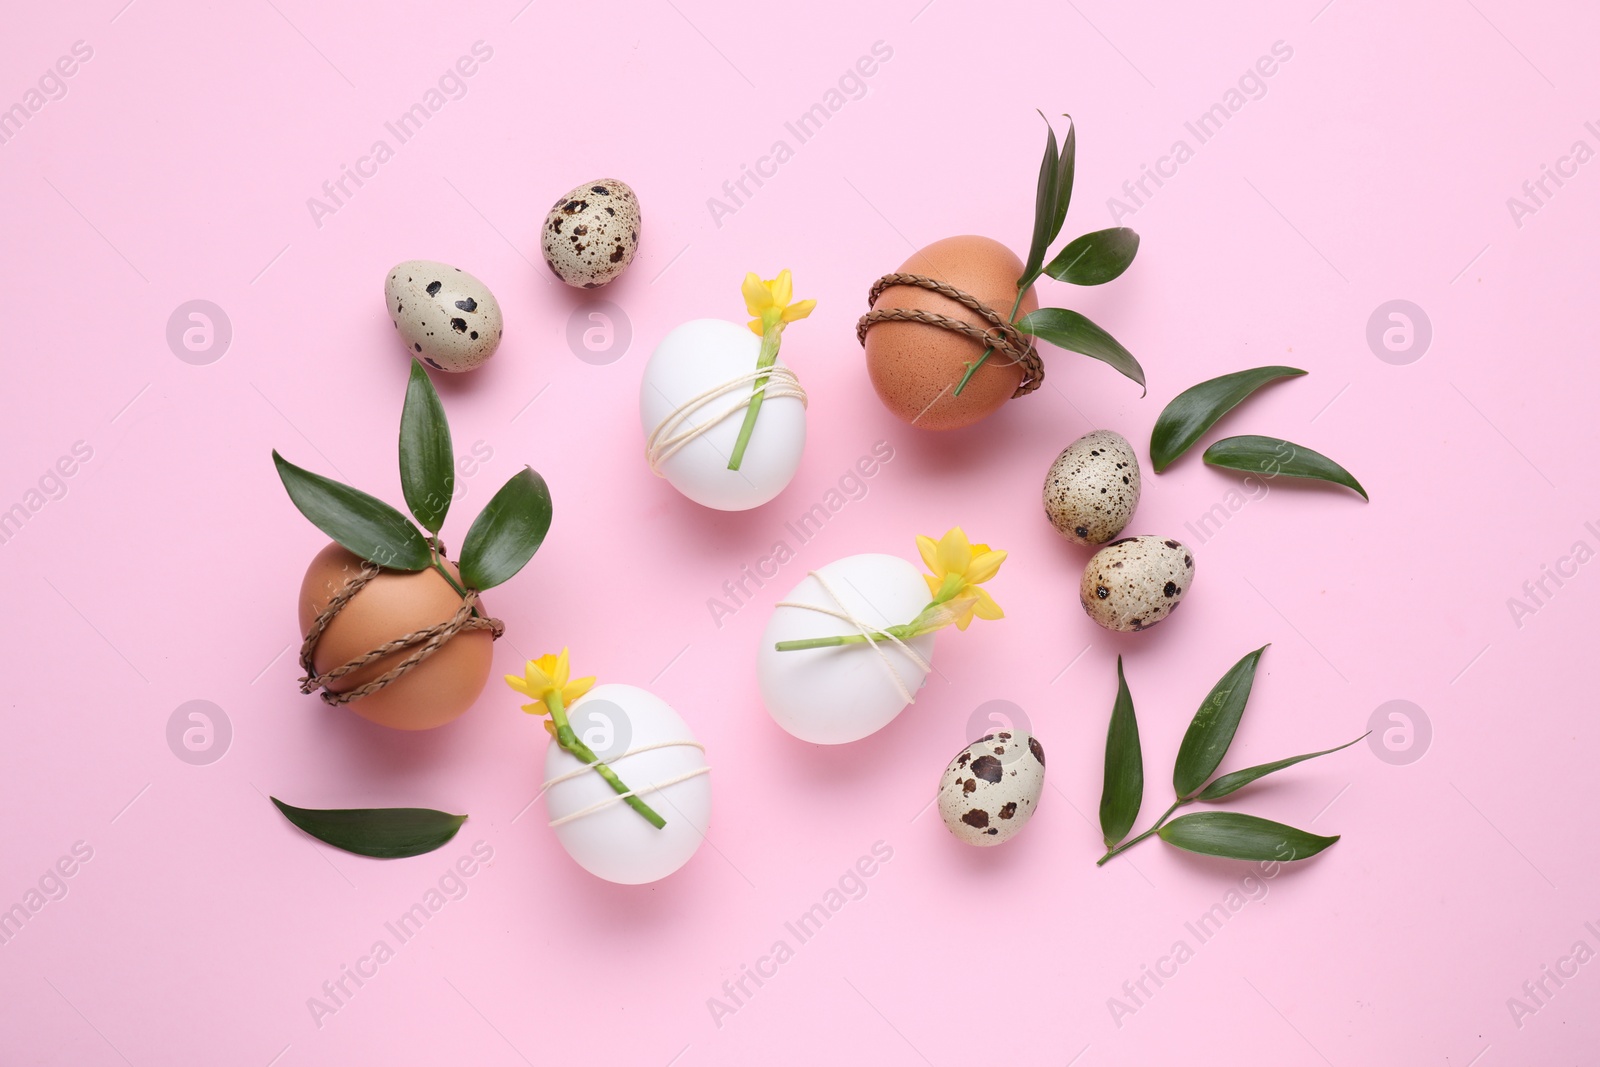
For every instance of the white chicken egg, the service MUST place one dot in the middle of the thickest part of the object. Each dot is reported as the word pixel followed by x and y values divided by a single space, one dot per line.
pixel 698 357
pixel 833 695
pixel 613 841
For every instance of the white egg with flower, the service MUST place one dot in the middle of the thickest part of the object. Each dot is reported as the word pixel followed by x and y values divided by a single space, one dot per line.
pixel 840 693
pixel 850 646
pixel 724 418
pixel 626 785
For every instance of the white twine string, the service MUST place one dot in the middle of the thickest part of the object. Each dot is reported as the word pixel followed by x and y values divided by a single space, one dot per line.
pixel 867 632
pixel 666 440
pixel 618 798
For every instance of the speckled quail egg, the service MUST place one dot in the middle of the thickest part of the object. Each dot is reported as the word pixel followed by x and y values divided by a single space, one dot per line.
pixel 990 790
pixel 1134 583
pixel 1092 488
pixel 591 233
pixel 446 317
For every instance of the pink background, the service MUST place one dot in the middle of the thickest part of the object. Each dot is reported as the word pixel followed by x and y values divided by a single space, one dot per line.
pixel 1376 166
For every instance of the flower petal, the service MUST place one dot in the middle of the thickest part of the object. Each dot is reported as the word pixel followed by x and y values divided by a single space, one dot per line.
pixel 954 551
pixel 985 565
pixel 558 677
pixel 930 553
pixel 985 607
pixel 933 584
pixel 537 677
pixel 757 297
pixel 576 688
pixel 757 327
pixel 782 289
pixel 798 310
pixel 521 685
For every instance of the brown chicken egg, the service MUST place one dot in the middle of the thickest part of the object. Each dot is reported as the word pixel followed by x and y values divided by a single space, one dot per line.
pixel 391 605
pixel 915 366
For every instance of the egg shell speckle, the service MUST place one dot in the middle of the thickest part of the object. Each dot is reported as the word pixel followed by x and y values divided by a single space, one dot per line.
pixel 446 317
pixel 592 233
pixel 1093 488
pixel 1132 584
pixel 992 787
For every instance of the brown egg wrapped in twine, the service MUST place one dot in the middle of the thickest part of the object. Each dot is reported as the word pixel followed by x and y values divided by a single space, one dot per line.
pixel 1001 335
pixel 426 641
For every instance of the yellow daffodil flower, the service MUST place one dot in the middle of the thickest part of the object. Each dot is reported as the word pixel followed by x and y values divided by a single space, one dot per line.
pixel 958 569
pixel 546 675
pixel 770 302
pixel 774 307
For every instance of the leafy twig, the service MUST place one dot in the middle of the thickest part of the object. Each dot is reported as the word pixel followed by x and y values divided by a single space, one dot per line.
pixel 1211 731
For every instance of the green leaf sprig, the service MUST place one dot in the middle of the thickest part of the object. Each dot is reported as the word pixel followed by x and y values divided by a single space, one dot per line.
pixel 1195 410
pixel 386 833
pixel 1213 833
pixel 1091 259
pixel 500 541
pixel 1273 456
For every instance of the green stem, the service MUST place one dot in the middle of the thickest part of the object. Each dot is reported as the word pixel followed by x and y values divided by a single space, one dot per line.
pixel 1176 804
pixel 953 584
pixel 972 368
pixel 569 742
pixel 767 357
pixel 820 642
pixel 436 565
pixel 893 633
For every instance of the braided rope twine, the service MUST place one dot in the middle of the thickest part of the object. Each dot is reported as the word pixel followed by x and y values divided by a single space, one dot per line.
pixel 1002 336
pixel 426 642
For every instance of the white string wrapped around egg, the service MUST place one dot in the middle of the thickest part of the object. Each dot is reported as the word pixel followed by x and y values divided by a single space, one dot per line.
pixel 618 798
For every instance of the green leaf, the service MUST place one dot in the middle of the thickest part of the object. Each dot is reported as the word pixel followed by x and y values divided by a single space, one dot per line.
pixel 1236 780
pixel 1196 409
pixel 1242 837
pixel 507 532
pixel 1270 457
pixel 387 833
pixel 1074 332
pixel 427 462
pixel 1044 208
pixel 1095 258
pixel 364 524
pixel 1124 781
pixel 1212 728
pixel 1066 164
